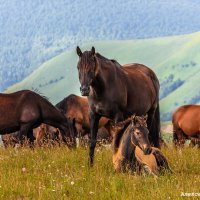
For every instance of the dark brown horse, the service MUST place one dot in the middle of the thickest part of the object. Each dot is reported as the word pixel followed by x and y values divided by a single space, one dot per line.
pixel 186 124
pixel 133 152
pixel 43 134
pixel 118 92
pixel 76 107
pixel 24 110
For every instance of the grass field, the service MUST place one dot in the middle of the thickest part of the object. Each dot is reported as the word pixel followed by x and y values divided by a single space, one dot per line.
pixel 58 173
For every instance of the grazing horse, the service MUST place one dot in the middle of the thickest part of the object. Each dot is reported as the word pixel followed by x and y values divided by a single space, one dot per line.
pixel 76 107
pixel 45 134
pixel 24 110
pixel 132 150
pixel 186 124
pixel 117 92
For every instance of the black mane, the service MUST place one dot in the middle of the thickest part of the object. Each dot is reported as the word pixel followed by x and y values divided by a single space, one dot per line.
pixel 106 59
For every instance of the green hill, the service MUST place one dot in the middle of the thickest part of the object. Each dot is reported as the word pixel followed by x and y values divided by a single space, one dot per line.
pixel 176 61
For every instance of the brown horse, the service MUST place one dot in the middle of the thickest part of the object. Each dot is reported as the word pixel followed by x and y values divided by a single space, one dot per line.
pixel 118 92
pixel 45 134
pixel 24 110
pixel 186 124
pixel 76 107
pixel 132 150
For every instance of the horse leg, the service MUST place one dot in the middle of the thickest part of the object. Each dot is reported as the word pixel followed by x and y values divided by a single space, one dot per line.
pixel 26 132
pixel 78 127
pixel 153 124
pixel 30 137
pixel 94 124
pixel 192 142
pixel 175 137
pixel 178 137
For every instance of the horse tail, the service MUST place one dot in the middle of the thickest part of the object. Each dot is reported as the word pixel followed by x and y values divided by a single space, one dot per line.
pixel 156 134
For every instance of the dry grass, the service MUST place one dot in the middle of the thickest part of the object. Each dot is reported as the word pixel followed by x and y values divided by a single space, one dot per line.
pixel 58 173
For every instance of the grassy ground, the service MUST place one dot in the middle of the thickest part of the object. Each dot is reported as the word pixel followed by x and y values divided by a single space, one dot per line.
pixel 58 173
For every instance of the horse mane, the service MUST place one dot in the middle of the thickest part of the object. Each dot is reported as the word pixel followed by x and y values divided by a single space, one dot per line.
pixel 106 59
pixel 119 135
pixel 37 91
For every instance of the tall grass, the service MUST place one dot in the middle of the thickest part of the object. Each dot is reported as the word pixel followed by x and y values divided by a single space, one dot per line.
pixel 58 173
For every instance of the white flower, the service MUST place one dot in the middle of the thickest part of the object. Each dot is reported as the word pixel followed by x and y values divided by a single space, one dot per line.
pixel 72 182
pixel 23 169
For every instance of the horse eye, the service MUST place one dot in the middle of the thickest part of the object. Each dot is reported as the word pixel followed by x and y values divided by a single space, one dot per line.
pixel 137 132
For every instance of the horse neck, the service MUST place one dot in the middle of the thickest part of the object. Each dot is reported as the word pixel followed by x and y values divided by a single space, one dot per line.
pixel 52 115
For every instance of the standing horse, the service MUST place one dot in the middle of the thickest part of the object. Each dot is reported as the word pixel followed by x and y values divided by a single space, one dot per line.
pixel 24 110
pixel 118 92
pixel 186 124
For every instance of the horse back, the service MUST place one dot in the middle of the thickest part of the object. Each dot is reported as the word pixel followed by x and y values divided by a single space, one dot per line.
pixel 139 68
pixel 146 86
pixel 75 107
pixel 10 108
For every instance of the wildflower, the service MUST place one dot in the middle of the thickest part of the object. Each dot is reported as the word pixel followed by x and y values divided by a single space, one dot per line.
pixel 23 169
pixel 72 182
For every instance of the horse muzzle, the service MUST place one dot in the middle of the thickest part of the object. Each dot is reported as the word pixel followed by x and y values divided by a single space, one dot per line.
pixel 85 90
pixel 147 151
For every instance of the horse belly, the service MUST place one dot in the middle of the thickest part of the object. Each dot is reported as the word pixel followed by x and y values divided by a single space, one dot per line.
pixel 8 129
pixel 8 124
pixel 189 122
pixel 191 131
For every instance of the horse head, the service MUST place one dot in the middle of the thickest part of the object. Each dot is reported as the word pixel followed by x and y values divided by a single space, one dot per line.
pixel 139 136
pixel 87 69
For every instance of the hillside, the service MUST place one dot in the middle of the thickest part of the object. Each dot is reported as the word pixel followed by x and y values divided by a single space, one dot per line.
pixel 32 32
pixel 176 61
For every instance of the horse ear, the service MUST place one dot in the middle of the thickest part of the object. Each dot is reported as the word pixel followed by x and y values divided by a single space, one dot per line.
pixel 78 51
pixel 93 50
pixel 145 117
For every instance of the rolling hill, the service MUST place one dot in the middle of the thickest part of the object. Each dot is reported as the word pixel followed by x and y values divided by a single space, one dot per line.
pixel 175 59
pixel 32 32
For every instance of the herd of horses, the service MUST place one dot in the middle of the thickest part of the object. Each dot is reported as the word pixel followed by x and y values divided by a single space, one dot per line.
pixel 121 104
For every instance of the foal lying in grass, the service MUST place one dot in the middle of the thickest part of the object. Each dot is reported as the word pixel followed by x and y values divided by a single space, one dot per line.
pixel 133 152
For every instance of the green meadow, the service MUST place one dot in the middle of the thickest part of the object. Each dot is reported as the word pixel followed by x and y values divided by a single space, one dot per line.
pixel 59 173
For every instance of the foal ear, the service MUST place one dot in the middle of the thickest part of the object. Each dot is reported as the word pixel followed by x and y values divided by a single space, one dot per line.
pixel 78 51
pixel 145 117
pixel 93 50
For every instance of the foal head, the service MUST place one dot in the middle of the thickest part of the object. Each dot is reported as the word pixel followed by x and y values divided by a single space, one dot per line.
pixel 87 69
pixel 139 134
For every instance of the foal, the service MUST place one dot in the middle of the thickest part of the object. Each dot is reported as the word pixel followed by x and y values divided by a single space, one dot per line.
pixel 132 149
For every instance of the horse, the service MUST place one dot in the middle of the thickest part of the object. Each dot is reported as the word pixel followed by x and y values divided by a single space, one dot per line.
pixel 25 110
pixel 46 134
pixel 77 108
pixel 133 151
pixel 117 92
pixel 43 134
pixel 186 124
